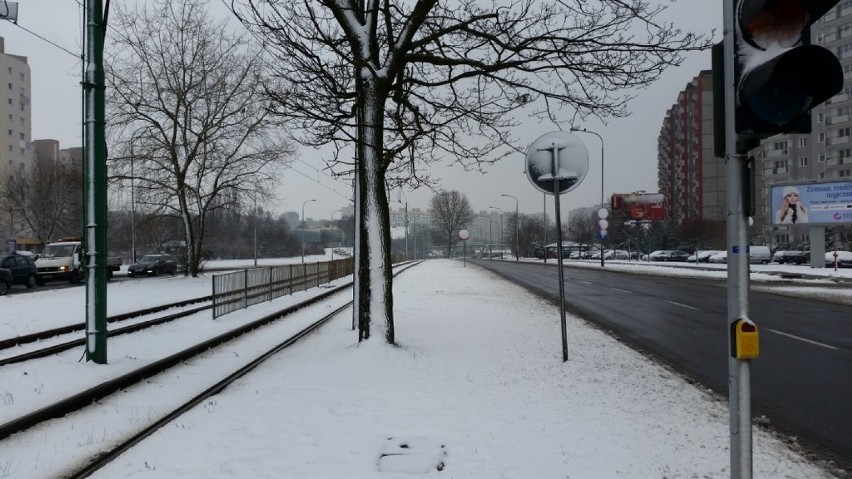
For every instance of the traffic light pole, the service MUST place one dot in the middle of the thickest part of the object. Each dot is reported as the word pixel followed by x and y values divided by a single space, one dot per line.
pixel 739 385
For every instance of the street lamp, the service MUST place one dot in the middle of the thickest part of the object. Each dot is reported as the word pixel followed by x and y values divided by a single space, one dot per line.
pixel 517 229
pixel 583 130
pixel 303 228
pixel 501 230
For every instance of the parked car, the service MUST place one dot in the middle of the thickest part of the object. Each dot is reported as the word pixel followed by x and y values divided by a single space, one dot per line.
pixel 5 281
pixel 791 257
pixel 758 254
pixel 616 254
pixel 702 256
pixel 669 255
pixel 153 264
pixel 720 257
pixel 22 267
pixel 844 259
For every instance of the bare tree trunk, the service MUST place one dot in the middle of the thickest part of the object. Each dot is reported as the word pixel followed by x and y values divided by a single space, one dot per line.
pixel 375 300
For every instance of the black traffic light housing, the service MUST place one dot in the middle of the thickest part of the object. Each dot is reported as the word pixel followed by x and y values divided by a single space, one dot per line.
pixel 779 76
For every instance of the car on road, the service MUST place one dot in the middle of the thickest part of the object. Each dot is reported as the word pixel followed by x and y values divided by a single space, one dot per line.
pixel 22 267
pixel 153 264
pixel 5 281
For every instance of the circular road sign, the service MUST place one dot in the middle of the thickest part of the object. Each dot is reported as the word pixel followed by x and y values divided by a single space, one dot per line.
pixel 557 157
pixel 603 213
pixel 464 235
pixel 604 224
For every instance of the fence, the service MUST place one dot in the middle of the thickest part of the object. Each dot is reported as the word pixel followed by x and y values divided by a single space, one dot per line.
pixel 241 289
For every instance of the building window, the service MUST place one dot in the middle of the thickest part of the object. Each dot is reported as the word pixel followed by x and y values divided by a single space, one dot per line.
pixel 820 117
pixel 803 161
pixel 821 137
pixel 22 136
pixel 822 176
pixel 803 142
pixel 22 76
pixel 822 158
pixel 9 100
pixel 841 132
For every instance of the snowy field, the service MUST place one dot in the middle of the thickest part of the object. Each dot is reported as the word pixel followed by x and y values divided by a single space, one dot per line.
pixel 476 385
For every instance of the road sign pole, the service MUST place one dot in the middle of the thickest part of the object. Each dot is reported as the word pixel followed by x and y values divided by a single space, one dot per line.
pixel 551 174
pixel 554 150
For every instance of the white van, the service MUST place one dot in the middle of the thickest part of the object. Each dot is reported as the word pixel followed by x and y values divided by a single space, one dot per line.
pixel 759 255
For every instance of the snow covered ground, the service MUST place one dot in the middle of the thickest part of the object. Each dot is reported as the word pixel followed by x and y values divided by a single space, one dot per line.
pixel 476 384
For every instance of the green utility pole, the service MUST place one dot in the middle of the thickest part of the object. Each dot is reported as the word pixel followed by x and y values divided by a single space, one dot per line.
pixel 94 187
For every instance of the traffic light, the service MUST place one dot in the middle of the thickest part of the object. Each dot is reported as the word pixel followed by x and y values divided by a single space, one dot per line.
pixel 779 76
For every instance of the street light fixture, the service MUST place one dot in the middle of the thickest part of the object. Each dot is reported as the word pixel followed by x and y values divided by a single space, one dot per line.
pixel 583 130
pixel 517 229
pixel 501 230
pixel 303 229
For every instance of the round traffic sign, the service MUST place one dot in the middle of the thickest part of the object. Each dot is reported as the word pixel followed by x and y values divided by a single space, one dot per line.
pixel 464 235
pixel 603 213
pixel 557 159
pixel 603 224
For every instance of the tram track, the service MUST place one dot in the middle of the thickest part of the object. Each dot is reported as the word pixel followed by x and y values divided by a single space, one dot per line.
pixel 137 378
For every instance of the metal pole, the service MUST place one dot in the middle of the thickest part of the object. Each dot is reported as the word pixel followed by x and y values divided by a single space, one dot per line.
pixel 303 228
pixel 255 228
pixel 517 229
pixel 544 223
pixel 739 389
pixel 556 212
pixel 132 206
pixel 95 237
pixel 583 130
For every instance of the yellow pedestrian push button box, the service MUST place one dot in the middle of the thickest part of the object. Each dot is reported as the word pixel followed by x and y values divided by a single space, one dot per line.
pixel 746 342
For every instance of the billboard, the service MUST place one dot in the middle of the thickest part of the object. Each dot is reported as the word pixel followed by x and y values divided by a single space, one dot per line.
pixel 812 203
pixel 639 206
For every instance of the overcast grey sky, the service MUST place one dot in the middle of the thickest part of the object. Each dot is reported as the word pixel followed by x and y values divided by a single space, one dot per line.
pixel 630 144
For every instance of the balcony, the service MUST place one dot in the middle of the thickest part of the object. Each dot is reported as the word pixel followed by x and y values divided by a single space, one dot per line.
pixel 839 140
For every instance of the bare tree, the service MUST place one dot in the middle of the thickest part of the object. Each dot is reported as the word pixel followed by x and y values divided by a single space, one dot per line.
pixel 411 82
pixel 581 227
pixel 189 112
pixel 450 212
pixel 48 199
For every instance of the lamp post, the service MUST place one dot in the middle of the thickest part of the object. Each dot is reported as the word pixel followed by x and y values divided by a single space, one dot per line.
pixel 517 229
pixel 255 228
pixel 303 229
pixel 583 130
pixel 501 229
pixel 332 219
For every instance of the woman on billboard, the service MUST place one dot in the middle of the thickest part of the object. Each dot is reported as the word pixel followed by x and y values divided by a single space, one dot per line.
pixel 791 210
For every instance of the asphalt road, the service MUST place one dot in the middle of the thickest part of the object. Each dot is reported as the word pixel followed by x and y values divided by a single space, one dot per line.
pixel 802 381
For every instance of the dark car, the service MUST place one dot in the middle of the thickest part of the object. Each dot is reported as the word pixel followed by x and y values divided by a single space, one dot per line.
pixel 5 281
pixel 22 267
pixel 153 264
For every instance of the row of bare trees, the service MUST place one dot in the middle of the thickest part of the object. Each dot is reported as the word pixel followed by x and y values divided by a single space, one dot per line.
pixel 200 116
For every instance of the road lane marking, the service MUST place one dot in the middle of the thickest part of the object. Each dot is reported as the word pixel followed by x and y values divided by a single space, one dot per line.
pixel 586 282
pixel 681 305
pixel 793 336
pixel 622 290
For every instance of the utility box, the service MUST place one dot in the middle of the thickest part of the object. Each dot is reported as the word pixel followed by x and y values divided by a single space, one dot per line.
pixel 745 341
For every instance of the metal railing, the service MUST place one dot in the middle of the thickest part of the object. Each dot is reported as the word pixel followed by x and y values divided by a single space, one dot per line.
pixel 241 289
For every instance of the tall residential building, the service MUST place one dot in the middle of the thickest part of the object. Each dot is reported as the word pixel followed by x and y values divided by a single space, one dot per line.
pixel 16 151
pixel 825 154
pixel 689 175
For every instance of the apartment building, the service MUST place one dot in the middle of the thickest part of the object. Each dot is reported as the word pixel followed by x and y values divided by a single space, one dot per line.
pixel 16 151
pixel 689 176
